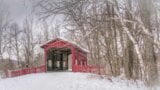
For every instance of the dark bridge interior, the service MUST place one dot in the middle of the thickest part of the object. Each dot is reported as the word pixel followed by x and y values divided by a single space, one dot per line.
pixel 57 59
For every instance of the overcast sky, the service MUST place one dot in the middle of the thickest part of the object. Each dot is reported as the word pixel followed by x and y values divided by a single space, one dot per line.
pixel 18 9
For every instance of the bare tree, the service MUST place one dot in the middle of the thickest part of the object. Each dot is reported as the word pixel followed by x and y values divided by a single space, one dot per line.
pixel 28 41
pixel 45 29
pixel 4 24
pixel 15 30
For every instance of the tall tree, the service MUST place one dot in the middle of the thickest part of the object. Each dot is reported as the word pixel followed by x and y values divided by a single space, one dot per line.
pixel 28 41
pixel 15 30
pixel 146 13
pixel 4 24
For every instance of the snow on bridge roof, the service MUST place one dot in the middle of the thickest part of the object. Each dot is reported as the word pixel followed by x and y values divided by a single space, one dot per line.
pixel 64 39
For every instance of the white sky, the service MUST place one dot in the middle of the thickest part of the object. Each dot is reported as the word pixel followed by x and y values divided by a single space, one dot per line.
pixel 18 9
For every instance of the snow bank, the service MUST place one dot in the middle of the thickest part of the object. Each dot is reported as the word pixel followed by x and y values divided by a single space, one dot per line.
pixel 67 81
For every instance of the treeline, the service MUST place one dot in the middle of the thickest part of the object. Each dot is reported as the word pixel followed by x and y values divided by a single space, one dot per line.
pixel 20 41
pixel 122 35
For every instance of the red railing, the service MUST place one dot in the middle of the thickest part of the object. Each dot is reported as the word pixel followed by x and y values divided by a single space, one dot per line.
pixel 76 68
pixel 14 73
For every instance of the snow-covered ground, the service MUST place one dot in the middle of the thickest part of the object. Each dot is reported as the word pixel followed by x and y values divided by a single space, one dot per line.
pixel 67 81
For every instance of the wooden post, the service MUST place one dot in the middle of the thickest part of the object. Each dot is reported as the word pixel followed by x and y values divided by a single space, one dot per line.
pixel 45 59
pixel 73 59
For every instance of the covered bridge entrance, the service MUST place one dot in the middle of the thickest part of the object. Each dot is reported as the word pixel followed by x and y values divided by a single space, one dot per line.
pixel 59 59
pixel 61 54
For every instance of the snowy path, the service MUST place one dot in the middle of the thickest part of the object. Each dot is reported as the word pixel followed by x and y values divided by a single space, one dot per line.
pixel 66 81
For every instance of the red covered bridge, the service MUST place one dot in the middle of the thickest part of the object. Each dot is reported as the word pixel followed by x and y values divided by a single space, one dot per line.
pixel 60 55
